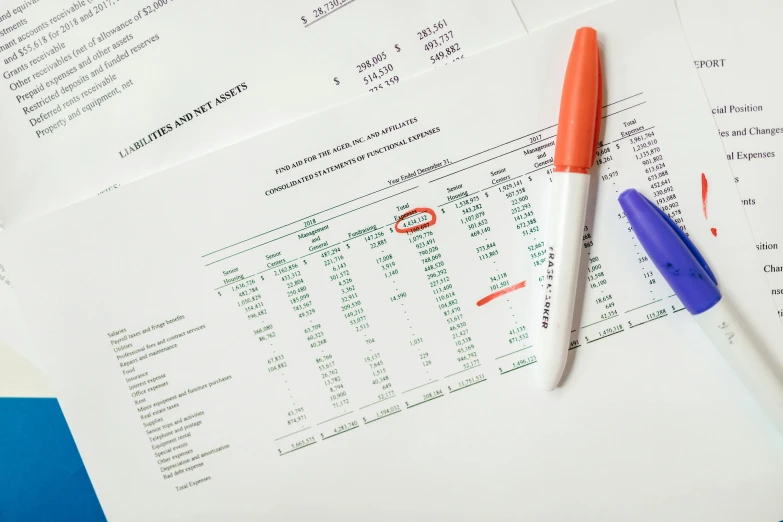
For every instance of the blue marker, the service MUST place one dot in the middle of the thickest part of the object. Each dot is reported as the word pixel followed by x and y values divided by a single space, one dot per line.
pixel 686 271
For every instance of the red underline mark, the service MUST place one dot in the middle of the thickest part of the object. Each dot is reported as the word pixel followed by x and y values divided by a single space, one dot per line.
pixel 705 188
pixel 415 226
pixel 495 295
pixel 704 191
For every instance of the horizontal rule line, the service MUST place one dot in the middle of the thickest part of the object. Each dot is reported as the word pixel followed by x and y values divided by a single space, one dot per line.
pixel 376 402
pixel 344 431
pixel 297 449
pixel 383 417
pixel 468 386
pixel 634 134
pixel 618 101
pixel 294 433
pixel 462 371
pixel 422 402
pixel 420 386
pixel 601 321
pixel 334 418
pixel 512 353
pixel 517 368
pixel 330 12
pixel 638 307
pixel 623 110
pixel 650 320
pixel 605 336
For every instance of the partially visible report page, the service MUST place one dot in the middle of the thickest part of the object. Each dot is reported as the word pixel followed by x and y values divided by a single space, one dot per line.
pixel 96 93
pixel 13 330
pixel 19 377
pixel 12 326
pixel 336 319
pixel 731 44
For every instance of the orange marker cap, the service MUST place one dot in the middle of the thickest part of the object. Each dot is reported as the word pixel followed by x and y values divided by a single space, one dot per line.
pixel 580 106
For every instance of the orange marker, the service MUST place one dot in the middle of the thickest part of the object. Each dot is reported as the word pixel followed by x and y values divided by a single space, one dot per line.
pixel 577 139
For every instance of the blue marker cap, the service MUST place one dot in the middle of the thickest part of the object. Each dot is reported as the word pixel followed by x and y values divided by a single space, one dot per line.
pixel 672 252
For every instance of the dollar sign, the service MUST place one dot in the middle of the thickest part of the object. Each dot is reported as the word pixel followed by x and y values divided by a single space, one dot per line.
pixel 397 46
pixel 336 81
pixel 304 20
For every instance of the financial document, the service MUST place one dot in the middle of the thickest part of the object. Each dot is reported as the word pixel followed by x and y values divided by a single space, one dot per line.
pixel 338 318
pixel 730 55
pixel 103 92
pixel 97 93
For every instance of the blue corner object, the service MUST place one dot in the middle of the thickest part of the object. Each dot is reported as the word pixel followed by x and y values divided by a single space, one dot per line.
pixel 42 476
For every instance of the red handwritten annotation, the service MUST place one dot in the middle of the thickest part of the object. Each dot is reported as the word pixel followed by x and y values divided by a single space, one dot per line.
pixel 416 226
pixel 495 295
pixel 705 189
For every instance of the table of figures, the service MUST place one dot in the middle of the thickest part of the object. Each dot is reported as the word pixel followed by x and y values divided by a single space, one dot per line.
pixel 421 289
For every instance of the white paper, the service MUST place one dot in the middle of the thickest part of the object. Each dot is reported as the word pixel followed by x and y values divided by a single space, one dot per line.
pixel 206 315
pixel 198 75
pixel 284 68
pixel 732 61
pixel 731 43
pixel 18 376
pixel 13 329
